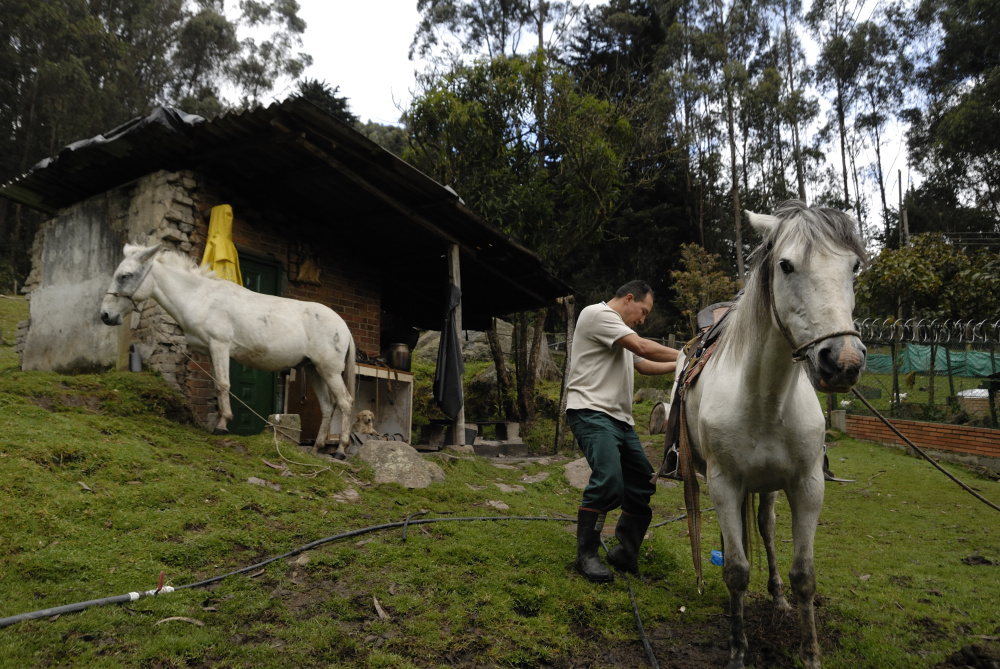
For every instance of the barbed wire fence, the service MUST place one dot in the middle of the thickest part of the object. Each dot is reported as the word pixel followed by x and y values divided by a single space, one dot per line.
pixel 931 370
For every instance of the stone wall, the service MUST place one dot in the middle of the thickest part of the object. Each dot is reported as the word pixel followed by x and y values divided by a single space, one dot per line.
pixel 74 256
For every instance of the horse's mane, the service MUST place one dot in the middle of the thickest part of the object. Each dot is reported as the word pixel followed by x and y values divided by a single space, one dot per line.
pixel 823 227
pixel 174 258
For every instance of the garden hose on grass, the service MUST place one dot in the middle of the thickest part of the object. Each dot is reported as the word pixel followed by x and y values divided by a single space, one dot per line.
pixel 133 596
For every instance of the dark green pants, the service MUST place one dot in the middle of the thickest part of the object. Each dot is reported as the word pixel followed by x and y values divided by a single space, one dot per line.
pixel 620 470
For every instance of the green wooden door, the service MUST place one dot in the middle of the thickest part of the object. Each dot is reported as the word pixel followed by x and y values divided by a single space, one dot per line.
pixel 254 387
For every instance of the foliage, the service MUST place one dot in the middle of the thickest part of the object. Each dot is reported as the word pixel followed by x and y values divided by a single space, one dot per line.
pixel 319 93
pixel 72 69
pixel 954 136
pixel 930 278
pixel 700 283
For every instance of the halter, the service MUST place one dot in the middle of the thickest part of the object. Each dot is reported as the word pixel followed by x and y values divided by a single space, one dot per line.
pixel 142 277
pixel 799 352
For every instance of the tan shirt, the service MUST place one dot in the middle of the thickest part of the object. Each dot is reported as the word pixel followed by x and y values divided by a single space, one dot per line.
pixel 601 372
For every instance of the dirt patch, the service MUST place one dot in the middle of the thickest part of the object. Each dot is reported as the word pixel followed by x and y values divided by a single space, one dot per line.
pixel 974 656
pixel 68 401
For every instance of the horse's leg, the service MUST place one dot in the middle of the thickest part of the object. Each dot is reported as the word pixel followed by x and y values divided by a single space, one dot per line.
pixel 325 407
pixel 806 501
pixel 765 523
pixel 736 569
pixel 335 392
pixel 219 354
pixel 345 402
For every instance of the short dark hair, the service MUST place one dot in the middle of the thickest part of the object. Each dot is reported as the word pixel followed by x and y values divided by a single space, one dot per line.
pixel 638 288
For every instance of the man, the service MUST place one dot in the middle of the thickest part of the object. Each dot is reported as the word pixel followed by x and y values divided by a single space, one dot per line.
pixel 606 350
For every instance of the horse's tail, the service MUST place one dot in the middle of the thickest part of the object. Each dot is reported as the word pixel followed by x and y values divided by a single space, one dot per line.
pixel 351 367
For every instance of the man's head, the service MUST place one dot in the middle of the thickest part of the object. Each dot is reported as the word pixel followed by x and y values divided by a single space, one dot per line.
pixel 633 302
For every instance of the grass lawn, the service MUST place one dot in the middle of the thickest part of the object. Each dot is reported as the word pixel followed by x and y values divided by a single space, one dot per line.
pixel 102 489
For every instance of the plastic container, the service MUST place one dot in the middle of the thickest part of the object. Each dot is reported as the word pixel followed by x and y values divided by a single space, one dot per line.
pixel 717 558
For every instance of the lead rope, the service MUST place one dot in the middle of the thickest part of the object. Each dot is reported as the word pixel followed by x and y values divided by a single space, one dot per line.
pixel 923 454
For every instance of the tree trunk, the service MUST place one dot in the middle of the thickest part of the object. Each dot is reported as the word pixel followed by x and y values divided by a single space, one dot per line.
pixel 525 357
pixel 737 214
pixel 569 313
pixel 505 384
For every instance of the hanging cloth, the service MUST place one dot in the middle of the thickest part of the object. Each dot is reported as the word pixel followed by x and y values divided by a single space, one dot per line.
pixel 450 366
pixel 220 253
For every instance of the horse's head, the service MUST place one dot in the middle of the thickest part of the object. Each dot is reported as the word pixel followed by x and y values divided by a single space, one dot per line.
pixel 128 285
pixel 810 258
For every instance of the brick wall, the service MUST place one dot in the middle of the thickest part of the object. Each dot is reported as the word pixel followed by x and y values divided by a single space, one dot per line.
pixel 978 442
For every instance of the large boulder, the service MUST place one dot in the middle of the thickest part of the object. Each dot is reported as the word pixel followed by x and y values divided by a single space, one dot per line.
pixel 398 462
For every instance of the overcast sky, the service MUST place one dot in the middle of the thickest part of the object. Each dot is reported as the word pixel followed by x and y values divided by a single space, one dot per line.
pixel 362 47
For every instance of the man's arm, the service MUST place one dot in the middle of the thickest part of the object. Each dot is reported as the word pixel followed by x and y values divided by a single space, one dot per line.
pixel 648 349
pixel 650 368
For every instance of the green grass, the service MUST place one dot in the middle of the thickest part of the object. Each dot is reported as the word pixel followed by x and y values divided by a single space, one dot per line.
pixel 165 496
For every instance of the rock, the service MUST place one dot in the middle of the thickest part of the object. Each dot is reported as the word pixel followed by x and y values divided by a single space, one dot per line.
pixel 537 478
pixel 397 462
pixel 650 394
pixel 510 488
pixel 578 473
pixel 498 505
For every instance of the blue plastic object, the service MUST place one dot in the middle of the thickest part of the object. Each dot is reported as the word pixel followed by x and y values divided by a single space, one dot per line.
pixel 717 558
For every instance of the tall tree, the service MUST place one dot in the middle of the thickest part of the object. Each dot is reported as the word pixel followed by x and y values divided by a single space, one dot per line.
pixel 70 69
pixel 955 133
pixel 831 21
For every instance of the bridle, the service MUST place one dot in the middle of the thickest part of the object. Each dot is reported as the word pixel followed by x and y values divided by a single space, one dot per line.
pixel 799 352
pixel 128 296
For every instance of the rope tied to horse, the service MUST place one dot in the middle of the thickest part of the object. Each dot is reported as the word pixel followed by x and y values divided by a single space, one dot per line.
pixel 924 454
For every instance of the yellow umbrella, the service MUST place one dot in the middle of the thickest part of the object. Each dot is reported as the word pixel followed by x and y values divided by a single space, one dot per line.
pixel 220 254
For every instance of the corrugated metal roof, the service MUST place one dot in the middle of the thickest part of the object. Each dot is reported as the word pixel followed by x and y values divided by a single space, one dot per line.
pixel 291 160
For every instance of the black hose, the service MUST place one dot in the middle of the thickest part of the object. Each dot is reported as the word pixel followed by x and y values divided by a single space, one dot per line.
pixel 70 608
pixel 635 612
pixel 131 597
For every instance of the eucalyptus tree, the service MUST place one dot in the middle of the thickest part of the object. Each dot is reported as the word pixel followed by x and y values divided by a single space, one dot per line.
pixel 70 69
pixel 954 136
pixel 831 22
pixel 885 73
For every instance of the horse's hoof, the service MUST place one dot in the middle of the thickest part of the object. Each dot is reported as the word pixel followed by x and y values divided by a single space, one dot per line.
pixel 340 456
pixel 220 430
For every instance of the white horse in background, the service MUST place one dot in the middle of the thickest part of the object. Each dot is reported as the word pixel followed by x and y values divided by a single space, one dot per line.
pixel 226 320
pixel 753 421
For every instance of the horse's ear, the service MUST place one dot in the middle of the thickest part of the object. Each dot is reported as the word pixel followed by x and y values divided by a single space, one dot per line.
pixel 762 223
pixel 147 254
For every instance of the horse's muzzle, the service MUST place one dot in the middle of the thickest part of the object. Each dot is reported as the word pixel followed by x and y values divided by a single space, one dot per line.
pixel 108 319
pixel 835 364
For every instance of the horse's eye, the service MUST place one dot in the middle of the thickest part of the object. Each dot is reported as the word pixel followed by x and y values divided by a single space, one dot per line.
pixel 126 276
pixel 857 266
pixel 786 266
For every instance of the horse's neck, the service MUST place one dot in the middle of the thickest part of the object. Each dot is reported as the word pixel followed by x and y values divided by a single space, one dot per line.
pixel 176 290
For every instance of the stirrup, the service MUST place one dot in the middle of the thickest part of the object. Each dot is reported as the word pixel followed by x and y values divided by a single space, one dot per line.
pixel 671 464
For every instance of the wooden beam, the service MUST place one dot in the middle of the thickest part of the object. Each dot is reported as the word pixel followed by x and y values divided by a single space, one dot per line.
pixel 410 213
pixel 455 277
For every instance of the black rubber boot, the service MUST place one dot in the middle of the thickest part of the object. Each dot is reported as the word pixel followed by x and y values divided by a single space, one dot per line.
pixel 630 530
pixel 588 538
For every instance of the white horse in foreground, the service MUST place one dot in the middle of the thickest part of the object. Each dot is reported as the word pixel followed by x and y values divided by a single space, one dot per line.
pixel 753 421
pixel 226 320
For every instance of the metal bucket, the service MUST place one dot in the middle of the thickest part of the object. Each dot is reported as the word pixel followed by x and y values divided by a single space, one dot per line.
pixel 397 356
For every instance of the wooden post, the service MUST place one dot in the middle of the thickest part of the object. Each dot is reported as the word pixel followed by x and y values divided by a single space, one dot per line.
pixel 455 276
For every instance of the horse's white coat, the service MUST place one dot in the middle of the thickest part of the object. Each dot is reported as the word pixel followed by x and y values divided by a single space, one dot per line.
pixel 753 419
pixel 226 320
